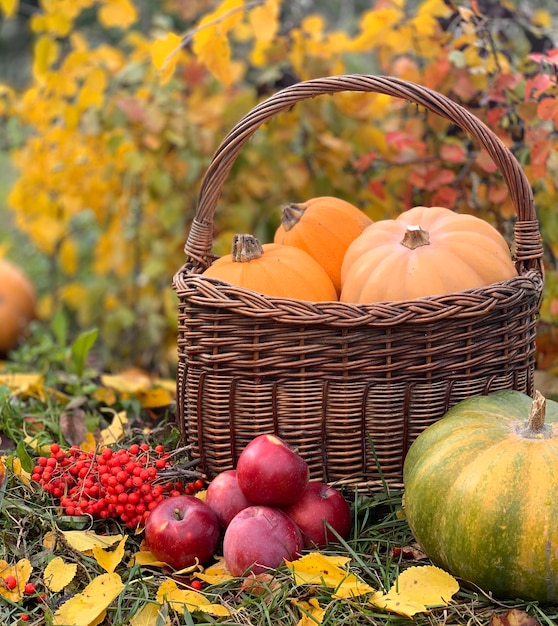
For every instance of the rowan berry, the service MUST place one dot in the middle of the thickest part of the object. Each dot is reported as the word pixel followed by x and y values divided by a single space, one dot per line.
pixel 29 588
pixel 10 582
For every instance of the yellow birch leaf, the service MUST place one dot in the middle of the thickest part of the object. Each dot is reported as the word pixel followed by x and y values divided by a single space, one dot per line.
pixel 117 13
pixel 9 7
pixel 400 606
pixel 216 573
pixel 215 54
pixel 165 54
pixel 427 584
pixel 312 612
pixel 45 53
pixel 154 398
pixel 319 569
pixel 68 257
pixel 22 384
pixel 166 383
pixel 131 381
pixel 146 558
pixel 264 20
pixel 89 606
pixel 111 434
pixel 85 540
pixel 59 574
pixel 109 559
pixel 105 395
pixel 149 615
pixel 88 444
pixel 21 571
pixel 194 601
pixel 92 92
pixel 49 540
pixel 18 471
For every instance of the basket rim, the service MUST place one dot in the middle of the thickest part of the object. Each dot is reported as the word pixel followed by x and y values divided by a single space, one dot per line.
pixel 469 303
pixel 528 242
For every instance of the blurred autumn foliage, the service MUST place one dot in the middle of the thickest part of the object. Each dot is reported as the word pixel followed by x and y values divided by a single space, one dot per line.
pixel 120 119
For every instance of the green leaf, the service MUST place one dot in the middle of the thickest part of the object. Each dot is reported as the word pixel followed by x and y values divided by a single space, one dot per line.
pixel 22 454
pixel 60 327
pixel 80 349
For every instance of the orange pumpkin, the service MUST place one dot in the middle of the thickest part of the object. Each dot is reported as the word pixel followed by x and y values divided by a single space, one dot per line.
pixel 274 270
pixel 426 251
pixel 324 227
pixel 17 305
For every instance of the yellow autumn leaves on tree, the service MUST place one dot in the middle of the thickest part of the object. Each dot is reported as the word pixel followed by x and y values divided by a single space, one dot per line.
pixel 119 128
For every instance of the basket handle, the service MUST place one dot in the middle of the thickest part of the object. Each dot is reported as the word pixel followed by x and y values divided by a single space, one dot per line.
pixel 528 244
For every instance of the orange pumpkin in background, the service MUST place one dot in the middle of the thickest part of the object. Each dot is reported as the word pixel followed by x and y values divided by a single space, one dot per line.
pixel 426 251
pixel 324 227
pixel 273 270
pixel 17 305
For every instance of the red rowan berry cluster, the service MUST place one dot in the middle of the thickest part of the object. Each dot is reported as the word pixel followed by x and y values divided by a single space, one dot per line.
pixel 125 483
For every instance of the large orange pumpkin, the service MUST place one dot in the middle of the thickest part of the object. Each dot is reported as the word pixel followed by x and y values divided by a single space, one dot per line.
pixel 17 305
pixel 324 227
pixel 426 251
pixel 274 270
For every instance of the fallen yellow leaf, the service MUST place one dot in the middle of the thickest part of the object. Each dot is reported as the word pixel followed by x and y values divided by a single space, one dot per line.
pixel 89 606
pixel 149 615
pixel 58 574
pixel 21 571
pixel 146 558
pixel 18 471
pixel 130 381
pixel 86 540
pixel 111 434
pixel 49 540
pixel 216 573
pixel 109 559
pixel 154 398
pixel 312 612
pixel 416 589
pixel 24 384
pixel 194 601
pixel 319 569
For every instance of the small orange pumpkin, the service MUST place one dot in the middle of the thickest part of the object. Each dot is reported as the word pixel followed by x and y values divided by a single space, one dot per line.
pixel 274 270
pixel 17 305
pixel 324 227
pixel 426 251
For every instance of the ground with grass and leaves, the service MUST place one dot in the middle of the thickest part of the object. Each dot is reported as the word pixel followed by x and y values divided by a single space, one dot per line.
pixel 62 564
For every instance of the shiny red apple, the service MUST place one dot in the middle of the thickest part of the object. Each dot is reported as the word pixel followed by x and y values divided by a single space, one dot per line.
pixel 260 538
pixel 270 472
pixel 321 503
pixel 181 530
pixel 225 497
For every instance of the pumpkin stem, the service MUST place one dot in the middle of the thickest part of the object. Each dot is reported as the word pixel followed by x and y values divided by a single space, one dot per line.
pixel 246 248
pixel 292 214
pixel 415 237
pixel 537 414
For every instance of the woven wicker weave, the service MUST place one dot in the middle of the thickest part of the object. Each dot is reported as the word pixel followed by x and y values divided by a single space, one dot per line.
pixel 350 385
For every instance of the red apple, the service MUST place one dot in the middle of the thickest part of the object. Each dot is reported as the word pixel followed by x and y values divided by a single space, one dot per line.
pixel 270 472
pixel 318 504
pixel 260 538
pixel 181 529
pixel 225 497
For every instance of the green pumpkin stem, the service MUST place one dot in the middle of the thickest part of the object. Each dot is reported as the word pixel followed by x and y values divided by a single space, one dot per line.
pixel 415 237
pixel 291 215
pixel 537 414
pixel 246 248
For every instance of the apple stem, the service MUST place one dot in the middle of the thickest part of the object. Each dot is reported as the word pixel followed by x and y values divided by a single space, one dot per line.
pixel 178 514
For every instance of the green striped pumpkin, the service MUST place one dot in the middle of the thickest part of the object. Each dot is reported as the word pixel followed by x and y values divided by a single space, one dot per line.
pixel 481 494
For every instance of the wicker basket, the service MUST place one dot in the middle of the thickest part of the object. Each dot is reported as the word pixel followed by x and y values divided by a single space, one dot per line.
pixel 351 386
